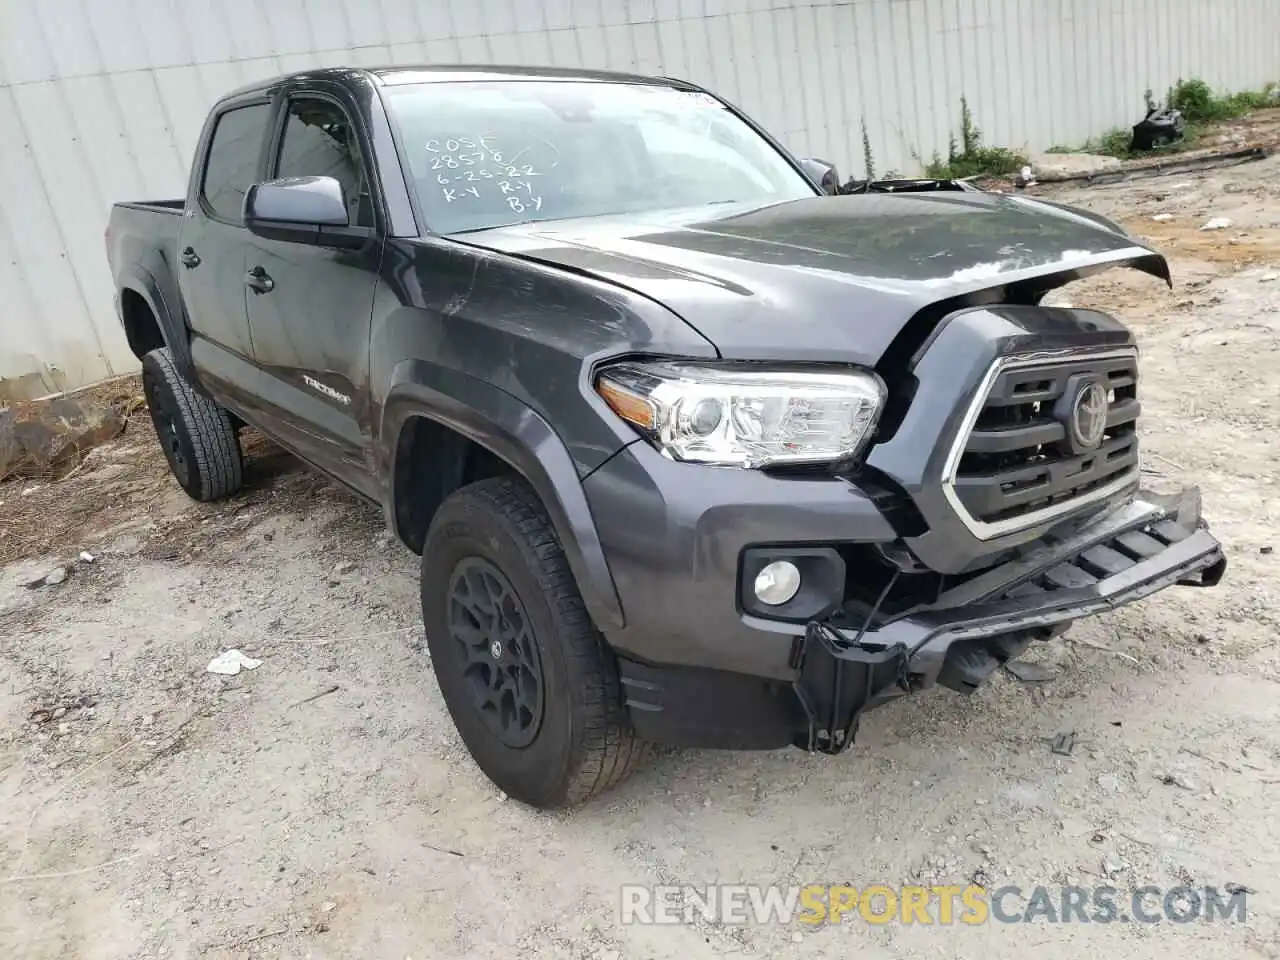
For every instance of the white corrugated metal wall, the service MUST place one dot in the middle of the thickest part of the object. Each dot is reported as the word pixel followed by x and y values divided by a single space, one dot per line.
pixel 102 100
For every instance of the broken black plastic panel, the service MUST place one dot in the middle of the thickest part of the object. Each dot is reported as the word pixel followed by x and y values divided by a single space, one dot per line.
pixel 1160 127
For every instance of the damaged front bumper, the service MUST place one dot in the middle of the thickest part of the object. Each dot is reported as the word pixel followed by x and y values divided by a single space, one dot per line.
pixel 1151 543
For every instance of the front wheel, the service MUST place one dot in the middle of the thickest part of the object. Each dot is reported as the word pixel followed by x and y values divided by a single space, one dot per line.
pixel 527 678
pixel 195 433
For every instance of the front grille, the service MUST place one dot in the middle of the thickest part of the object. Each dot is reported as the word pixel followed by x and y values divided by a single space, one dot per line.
pixel 1020 463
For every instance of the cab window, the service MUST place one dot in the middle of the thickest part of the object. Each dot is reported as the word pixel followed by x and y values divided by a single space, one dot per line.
pixel 232 164
pixel 319 141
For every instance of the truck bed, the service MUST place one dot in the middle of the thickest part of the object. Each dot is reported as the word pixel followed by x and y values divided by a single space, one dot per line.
pixel 142 240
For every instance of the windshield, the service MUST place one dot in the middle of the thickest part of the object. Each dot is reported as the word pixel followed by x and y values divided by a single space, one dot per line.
pixel 493 153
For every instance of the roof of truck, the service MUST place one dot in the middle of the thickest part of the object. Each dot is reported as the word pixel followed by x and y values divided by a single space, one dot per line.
pixel 453 72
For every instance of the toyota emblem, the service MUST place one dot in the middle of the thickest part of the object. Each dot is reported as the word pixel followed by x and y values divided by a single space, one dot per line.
pixel 1089 416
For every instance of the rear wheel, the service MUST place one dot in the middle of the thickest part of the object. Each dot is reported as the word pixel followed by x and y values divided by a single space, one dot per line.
pixel 527 678
pixel 196 434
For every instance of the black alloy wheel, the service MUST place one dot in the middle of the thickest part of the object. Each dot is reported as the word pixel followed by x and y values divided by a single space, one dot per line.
pixel 500 657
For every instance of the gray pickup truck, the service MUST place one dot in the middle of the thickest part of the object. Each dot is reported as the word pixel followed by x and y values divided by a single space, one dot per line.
pixel 696 448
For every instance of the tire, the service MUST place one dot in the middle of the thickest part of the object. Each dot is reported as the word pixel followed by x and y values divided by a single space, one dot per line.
pixel 195 433
pixel 581 742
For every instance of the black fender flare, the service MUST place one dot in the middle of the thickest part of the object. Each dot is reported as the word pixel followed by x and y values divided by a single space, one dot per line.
pixel 140 281
pixel 512 431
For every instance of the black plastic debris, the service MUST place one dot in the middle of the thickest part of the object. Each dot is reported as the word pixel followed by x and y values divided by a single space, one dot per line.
pixel 1063 743
pixel 905 185
pixel 1161 126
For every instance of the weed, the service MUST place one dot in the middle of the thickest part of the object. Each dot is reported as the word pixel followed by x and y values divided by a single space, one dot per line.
pixel 868 160
pixel 1199 104
pixel 1114 143
pixel 968 157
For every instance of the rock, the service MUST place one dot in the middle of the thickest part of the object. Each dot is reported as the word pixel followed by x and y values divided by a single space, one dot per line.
pixel 1162 217
pixel 1112 865
pixel 86 556
pixel 346 566
pixel 1110 783
pixel 1177 780
pixel 45 437
pixel 1029 672
pixel 1217 223
pixel 1049 166
pixel 54 577
pixel 59 713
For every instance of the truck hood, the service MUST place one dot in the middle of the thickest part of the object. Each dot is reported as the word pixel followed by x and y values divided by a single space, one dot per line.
pixel 827 278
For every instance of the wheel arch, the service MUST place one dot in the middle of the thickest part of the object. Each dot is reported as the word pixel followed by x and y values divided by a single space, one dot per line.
pixel 147 319
pixel 510 435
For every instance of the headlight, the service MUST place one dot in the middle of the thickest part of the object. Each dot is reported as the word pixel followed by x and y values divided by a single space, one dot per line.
pixel 745 414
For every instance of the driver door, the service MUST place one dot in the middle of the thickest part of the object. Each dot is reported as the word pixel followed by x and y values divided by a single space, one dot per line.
pixel 309 306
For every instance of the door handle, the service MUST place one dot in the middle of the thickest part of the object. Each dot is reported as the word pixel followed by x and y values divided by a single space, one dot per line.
pixel 190 259
pixel 259 281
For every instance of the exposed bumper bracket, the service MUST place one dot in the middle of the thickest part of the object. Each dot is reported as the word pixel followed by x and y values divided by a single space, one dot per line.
pixel 838 679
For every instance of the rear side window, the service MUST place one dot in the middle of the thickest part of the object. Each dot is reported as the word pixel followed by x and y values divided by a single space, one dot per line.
pixel 232 166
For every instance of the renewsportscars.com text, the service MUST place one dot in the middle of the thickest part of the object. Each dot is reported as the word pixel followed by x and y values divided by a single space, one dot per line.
pixel 971 905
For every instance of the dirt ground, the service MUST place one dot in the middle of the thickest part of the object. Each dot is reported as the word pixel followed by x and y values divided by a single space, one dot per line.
pixel 322 805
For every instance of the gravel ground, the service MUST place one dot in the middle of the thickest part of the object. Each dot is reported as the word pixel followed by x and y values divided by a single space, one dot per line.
pixel 322 805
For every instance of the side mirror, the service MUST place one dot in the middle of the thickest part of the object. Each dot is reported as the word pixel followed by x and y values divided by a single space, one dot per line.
pixel 302 210
pixel 823 174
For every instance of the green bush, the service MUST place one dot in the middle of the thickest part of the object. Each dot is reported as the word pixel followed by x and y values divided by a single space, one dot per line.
pixel 969 158
pixel 1114 143
pixel 1199 104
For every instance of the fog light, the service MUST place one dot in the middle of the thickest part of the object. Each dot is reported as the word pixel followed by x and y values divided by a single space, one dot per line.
pixel 777 583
